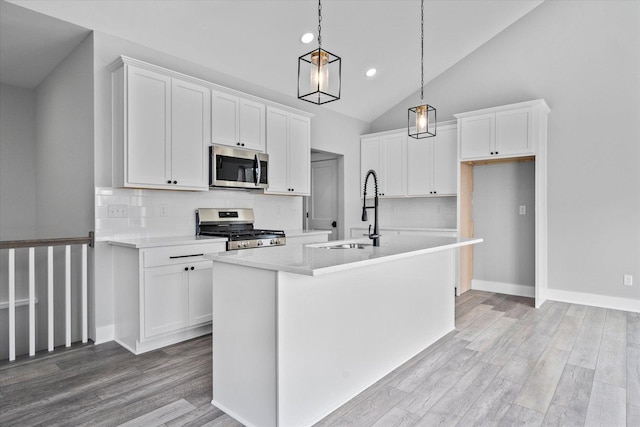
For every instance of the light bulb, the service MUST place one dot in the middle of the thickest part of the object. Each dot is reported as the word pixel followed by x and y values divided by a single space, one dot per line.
pixel 320 71
pixel 422 120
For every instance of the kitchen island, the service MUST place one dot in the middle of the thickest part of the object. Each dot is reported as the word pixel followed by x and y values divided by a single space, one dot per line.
pixel 299 330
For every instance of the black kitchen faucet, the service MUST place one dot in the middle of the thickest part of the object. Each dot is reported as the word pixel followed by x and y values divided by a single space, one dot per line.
pixel 373 236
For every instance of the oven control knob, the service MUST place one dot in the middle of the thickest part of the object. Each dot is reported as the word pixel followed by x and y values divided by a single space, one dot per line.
pixel 259 243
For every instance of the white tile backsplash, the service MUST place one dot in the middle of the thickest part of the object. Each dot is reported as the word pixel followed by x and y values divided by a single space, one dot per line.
pixel 433 212
pixel 144 213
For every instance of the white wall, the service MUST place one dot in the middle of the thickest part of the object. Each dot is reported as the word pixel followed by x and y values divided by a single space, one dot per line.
pixel 583 58
pixel 330 132
pixel 507 254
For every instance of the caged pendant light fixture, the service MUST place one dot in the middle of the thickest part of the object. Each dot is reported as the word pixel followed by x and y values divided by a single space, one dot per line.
pixel 422 119
pixel 319 72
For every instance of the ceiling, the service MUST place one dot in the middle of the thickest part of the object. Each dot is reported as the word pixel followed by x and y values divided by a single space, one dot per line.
pixel 259 41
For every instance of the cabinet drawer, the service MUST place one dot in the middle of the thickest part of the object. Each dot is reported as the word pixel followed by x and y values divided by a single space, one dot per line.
pixel 179 254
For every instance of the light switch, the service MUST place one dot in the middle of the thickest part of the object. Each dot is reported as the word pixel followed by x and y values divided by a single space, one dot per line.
pixel 523 210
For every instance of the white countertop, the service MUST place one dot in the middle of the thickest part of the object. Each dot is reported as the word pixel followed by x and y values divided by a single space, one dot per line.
pixel 313 259
pixel 408 228
pixel 300 233
pixel 154 242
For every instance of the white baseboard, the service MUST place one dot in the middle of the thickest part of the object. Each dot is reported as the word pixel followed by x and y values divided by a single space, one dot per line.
pixel 104 334
pixel 503 288
pixel 595 300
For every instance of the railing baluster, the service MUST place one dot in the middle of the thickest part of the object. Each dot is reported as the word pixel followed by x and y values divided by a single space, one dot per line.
pixel 84 294
pixel 12 305
pixel 67 294
pixel 11 246
pixel 51 339
pixel 32 303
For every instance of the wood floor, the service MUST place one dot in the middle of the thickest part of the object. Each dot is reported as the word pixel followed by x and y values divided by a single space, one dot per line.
pixel 505 364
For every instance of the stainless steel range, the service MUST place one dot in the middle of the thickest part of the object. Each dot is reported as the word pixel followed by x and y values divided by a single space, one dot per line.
pixel 237 226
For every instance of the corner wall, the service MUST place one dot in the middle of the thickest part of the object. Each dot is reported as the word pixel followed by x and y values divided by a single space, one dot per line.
pixel 583 58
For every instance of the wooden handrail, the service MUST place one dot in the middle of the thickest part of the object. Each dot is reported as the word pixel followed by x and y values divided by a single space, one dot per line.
pixel 14 244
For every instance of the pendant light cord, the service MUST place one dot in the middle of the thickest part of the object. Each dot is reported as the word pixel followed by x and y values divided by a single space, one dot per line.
pixel 422 50
pixel 319 24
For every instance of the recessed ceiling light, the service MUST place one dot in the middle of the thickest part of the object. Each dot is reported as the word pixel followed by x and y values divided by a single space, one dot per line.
pixel 307 38
pixel 371 72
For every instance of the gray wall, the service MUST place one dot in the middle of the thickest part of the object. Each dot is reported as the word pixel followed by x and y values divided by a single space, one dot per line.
pixel 64 158
pixel 507 254
pixel 46 186
pixel 583 58
pixel 18 196
pixel 17 162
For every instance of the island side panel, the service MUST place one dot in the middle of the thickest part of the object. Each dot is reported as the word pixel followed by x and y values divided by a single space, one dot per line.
pixel 244 343
pixel 341 332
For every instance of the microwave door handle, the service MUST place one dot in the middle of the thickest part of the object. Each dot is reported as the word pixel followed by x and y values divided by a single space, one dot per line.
pixel 257 169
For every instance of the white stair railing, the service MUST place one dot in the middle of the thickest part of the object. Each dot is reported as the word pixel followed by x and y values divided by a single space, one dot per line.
pixel 12 245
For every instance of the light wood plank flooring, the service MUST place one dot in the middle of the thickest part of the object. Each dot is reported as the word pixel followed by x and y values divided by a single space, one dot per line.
pixel 505 364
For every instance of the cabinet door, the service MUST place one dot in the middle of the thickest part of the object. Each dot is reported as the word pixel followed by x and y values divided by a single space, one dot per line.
pixel 477 136
pixel 420 166
pixel 299 149
pixel 277 137
pixel 252 125
pixel 393 173
pixel 165 299
pixel 200 293
pixel 224 119
pixel 514 135
pixel 370 159
pixel 445 160
pixel 189 136
pixel 148 149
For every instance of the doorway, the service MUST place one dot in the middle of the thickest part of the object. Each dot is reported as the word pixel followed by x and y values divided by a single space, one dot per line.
pixel 322 207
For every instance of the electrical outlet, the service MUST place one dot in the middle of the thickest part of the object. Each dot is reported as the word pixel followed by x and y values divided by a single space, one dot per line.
pixel 523 210
pixel 118 211
pixel 164 210
pixel 628 280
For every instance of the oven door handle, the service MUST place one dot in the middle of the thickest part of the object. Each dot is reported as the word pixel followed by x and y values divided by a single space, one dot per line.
pixel 258 170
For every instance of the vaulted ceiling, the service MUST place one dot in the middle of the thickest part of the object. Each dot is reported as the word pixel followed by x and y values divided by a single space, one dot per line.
pixel 259 41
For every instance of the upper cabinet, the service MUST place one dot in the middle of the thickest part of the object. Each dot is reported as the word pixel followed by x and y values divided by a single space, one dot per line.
pixel 237 121
pixel 160 130
pixel 501 132
pixel 431 164
pixel 289 150
pixel 410 167
pixel 386 155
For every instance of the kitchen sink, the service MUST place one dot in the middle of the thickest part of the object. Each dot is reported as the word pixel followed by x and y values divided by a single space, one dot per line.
pixel 348 246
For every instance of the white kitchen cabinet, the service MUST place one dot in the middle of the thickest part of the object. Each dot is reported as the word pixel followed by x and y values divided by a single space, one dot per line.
pixel 160 129
pixel 386 154
pixel 289 149
pixel 165 298
pixel 501 132
pixel 162 294
pixel 431 164
pixel 237 122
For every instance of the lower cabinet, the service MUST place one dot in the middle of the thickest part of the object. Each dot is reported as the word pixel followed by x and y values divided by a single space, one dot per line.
pixel 163 295
pixel 176 296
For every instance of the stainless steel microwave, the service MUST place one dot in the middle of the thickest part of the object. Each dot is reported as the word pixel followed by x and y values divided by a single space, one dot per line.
pixel 237 167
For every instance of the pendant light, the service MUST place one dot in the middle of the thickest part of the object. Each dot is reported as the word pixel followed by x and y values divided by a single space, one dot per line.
pixel 422 119
pixel 319 72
